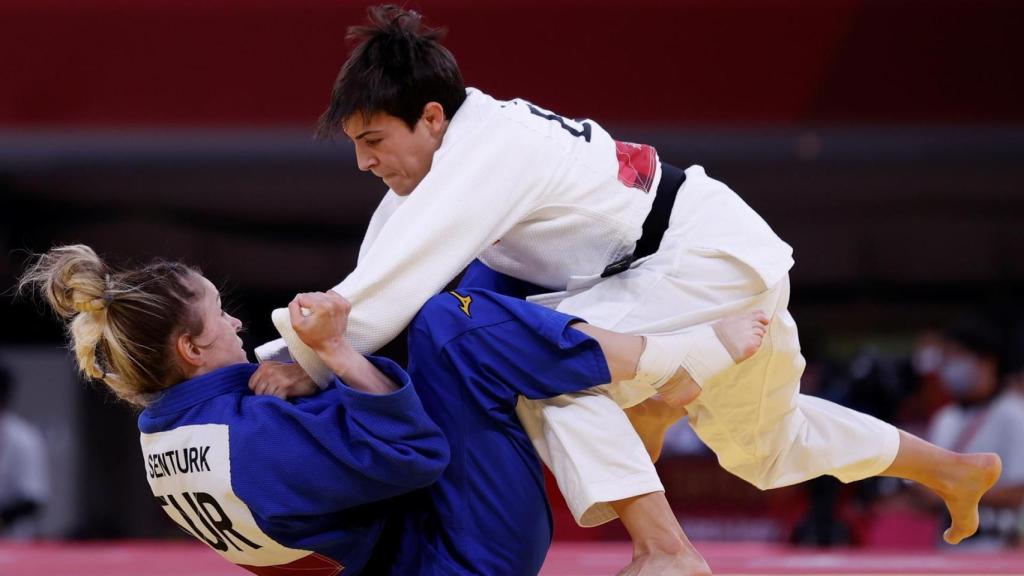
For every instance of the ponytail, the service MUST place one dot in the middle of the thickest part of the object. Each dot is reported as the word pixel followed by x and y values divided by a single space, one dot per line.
pixel 121 325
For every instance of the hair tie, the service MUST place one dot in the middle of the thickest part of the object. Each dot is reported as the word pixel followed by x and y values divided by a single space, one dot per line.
pixel 94 305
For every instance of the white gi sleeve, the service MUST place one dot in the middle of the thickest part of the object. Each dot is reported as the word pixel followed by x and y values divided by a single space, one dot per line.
pixel 477 189
pixel 277 350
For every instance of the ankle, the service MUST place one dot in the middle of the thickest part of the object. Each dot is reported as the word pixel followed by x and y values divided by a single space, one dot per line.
pixel 678 391
pixel 664 544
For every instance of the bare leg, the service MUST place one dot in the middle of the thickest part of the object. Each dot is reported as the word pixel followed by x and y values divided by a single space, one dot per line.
pixel 651 419
pixel 660 548
pixel 659 545
pixel 621 351
pixel 741 335
pixel 959 479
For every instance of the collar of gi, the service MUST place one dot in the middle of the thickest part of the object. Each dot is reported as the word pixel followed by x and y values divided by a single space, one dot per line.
pixel 234 378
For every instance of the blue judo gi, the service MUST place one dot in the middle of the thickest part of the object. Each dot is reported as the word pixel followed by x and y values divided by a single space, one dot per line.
pixel 437 478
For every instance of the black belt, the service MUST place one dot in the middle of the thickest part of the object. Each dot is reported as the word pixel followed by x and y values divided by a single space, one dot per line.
pixel 657 219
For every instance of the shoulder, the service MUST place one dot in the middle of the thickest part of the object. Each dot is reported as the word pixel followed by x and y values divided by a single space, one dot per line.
pixel 247 417
pixel 519 121
pixel 389 203
pixel 272 415
pixel 477 110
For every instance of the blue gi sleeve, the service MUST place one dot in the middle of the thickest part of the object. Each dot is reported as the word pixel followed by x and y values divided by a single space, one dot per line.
pixel 335 450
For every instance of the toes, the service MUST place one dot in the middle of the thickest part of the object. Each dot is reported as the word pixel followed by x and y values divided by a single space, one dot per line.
pixel 750 347
pixel 755 343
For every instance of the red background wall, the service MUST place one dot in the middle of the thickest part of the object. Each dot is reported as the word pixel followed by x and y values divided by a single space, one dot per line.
pixel 263 62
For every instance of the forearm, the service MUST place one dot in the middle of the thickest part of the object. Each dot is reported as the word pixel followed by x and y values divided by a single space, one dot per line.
pixel 357 372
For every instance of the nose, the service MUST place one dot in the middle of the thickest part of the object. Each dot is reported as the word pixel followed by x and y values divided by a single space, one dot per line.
pixel 236 323
pixel 364 159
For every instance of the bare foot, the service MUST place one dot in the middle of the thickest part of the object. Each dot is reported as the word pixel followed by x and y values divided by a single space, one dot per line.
pixel 657 564
pixel 973 475
pixel 742 335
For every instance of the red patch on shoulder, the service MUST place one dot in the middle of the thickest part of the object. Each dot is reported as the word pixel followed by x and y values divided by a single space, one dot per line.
pixel 637 165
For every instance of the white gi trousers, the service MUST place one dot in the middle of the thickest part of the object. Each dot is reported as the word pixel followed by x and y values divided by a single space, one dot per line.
pixel 712 263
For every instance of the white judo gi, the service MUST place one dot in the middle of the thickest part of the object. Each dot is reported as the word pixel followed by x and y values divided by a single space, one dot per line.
pixel 554 201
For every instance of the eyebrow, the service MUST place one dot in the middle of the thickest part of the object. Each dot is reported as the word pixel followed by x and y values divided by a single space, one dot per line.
pixel 365 132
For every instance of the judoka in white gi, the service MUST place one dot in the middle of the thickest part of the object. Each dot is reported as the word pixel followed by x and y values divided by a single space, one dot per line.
pixel 560 204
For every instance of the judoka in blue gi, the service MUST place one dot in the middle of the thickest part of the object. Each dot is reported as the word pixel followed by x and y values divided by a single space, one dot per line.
pixel 425 472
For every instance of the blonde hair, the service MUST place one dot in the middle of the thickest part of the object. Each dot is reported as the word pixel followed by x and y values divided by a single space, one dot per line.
pixel 122 325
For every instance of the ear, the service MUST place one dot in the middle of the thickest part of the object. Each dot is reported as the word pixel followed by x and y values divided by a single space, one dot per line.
pixel 191 356
pixel 433 115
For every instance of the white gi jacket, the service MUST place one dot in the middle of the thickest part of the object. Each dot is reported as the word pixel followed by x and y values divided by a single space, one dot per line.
pixel 514 188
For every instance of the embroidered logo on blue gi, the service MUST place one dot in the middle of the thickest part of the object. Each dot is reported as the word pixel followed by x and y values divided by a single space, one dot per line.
pixel 464 302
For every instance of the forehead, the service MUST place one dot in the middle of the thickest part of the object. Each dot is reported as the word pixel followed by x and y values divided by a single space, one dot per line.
pixel 358 123
pixel 207 287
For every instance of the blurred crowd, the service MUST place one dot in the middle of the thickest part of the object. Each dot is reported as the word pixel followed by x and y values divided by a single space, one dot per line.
pixel 961 388
pixel 24 478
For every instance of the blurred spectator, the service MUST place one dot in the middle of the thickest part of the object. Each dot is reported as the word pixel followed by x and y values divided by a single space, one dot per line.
pixel 24 482
pixel 1015 361
pixel 985 415
pixel 931 395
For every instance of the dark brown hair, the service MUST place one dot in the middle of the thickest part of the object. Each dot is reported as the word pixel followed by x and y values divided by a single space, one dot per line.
pixel 395 68
pixel 122 325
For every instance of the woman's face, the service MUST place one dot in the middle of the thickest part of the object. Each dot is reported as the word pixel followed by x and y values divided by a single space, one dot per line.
pixel 219 339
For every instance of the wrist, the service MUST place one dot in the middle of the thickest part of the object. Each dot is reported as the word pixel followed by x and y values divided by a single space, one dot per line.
pixel 340 358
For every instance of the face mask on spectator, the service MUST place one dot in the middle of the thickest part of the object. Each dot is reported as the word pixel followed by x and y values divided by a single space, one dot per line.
pixel 927 360
pixel 959 376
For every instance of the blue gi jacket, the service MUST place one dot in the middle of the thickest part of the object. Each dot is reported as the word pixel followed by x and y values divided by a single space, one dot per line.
pixel 275 485
pixel 329 484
